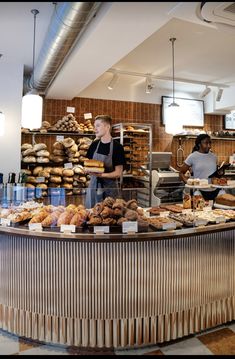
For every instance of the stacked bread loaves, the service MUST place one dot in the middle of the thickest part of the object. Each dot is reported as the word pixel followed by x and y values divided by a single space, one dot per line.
pixel 37 153
pixel 42 155
pixel 67 123
pixel 94 166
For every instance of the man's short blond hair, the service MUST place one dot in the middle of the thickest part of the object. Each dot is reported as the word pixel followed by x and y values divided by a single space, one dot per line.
pixel 105 119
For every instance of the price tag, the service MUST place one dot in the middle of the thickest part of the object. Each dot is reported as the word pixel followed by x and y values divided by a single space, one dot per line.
pixel 87 116
pixel 130 227
pixel 35 227
pixel 68 228
pixel 68 165
pixel 59 138
pixel 5 222
pixel 200 222
pixel 220 219
pixel 40 179
pixel 169 226
pixel 101 229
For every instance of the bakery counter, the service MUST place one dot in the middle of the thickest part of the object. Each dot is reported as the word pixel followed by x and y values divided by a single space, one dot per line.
pixel 116 290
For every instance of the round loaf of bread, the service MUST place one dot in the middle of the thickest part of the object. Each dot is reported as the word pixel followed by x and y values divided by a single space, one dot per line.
pixel 29 185
pixel 84 146
pixel 44 173
pixel 55 179
pixel 57 159
pixel 57 171
pixel 39 147
pixel 67 185
pixel 29 152
pixel 26 146
pixel 78 170
pixel 43 153
pixel 42 159
pixel 37 170
pixel 31 179
pixel 58 145
pixel 68 142
pixel 29 159
pixel 42 185
pixel 68 179
pixel 68 173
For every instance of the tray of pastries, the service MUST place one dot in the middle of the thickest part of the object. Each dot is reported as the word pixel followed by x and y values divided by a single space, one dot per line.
pixel 164 223
pixel 188 219
pixel 172 208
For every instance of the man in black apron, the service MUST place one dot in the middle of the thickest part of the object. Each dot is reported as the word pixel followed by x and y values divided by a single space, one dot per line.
pixel 110 152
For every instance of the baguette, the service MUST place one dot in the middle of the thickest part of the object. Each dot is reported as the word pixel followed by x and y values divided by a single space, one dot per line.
pixel 93 163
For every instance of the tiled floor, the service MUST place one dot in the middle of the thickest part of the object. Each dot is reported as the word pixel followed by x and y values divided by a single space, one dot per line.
pixel 216 341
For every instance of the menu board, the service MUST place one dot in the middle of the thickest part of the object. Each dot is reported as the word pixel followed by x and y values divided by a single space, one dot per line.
pixel 190 112
pixel 229 121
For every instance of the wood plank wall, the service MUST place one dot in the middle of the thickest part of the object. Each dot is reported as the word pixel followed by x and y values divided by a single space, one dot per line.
pixel 126 111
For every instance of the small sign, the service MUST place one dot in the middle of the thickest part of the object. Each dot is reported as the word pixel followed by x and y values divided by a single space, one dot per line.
pixel 40 179
pixel 169 226
pixel 71 109
pixel 68 165
pixel 87 116
pixel 130 227
pixel 101 229
pixel 68 228
pixel 220 219
pixel 35 227
pixel 5 222
pixel 59 138
pixel 200 222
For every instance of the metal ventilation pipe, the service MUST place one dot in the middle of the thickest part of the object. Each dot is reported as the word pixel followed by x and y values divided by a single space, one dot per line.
pixel 67 25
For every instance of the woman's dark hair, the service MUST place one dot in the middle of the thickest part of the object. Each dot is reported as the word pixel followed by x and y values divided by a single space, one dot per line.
pixel 198 141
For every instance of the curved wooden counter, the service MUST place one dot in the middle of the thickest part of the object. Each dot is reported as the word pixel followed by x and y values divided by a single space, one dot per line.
pixel 120 290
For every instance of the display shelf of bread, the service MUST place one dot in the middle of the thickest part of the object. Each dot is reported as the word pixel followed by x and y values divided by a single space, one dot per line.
pixel 37 153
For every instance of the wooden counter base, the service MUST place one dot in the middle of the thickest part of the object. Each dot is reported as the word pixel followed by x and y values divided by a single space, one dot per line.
pixel 116 294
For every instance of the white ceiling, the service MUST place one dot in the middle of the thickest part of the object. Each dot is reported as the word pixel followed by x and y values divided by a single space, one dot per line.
pixel 125 36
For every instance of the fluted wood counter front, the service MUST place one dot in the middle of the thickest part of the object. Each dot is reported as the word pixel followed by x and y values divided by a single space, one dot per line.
pixel 85 291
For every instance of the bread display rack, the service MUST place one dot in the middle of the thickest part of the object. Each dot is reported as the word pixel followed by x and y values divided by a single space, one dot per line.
pixel 136 139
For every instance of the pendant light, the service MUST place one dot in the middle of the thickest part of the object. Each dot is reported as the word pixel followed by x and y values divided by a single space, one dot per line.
pixel 32 102
pixel 2 123
pixel 173 124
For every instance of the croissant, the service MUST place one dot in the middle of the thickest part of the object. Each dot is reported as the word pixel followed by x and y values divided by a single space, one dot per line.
pixel 109 221
pixel 51 219
pixel 38 218
pixel 132 204
pixel 131 215
pixel 95 220
pixel 97 209
pixel 77 220
pixel 65 218
pixel 121 220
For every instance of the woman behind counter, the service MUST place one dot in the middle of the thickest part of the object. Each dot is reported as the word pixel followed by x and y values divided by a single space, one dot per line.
pixel 110 152
pixel 202 163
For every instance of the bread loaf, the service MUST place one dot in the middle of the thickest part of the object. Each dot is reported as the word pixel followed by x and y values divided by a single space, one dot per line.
pixel 67 185
pixel 37 170
pixel 40 146
pixel 26 146
pixel 58 152
pixel 226 199
pixel 43 153
pixel 42 159
pixel 93 163
pixel 42 185
pixel 29 152
pixel 94 169
pixel 57 171
pixel 29 159
pixel 68 172
pixel 68 142
pixel 68 179
pixel 55 179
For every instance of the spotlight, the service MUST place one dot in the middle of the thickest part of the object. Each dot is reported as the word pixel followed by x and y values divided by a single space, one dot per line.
pixel 113 82
pixel 148 84
pixel 219 94
pixel 205 92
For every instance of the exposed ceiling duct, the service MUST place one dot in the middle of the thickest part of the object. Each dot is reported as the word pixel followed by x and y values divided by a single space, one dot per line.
pixel 67 25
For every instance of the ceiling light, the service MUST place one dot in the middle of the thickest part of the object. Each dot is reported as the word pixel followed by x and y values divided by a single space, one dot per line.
pixel 32 102
pixel 113 82
pixel 2 123
pixel 172 39
pixel 205 92
pixel 149 85
pixel 219 94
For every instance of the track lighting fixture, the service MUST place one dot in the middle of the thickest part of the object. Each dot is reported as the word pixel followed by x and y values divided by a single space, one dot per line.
pixel 219 94
pixel 149 85
pixel 113 81
pixel 205 92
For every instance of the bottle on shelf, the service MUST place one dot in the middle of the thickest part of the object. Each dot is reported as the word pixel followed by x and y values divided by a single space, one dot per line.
pixel 10 186
pixel 20 190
